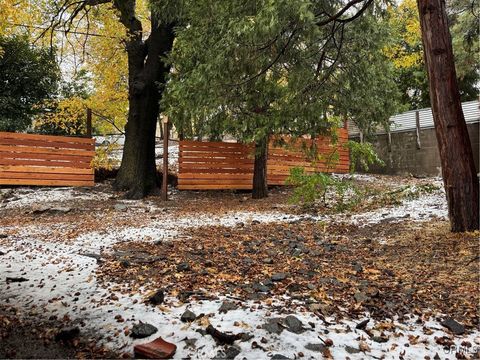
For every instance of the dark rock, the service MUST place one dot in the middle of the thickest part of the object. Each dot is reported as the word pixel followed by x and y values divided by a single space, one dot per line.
pixel 142 330
pixel 208 263
pixel 294 325
pixel 183 267
pixel 268 283
pixel 357 267
pixel 227 306
pixel 360 297
pixel 120 207
pixel 274 326
pixel 293 244
pixel 454 326
pixel 2 253
pixel 3 236
pixel 294 287
pixel 202 332
pixel 297 252
pixel 229 353
pixel 247 261
pixel 255 222
pixel 279 357
pixel 380 339
pixel 188 316
pixel 184 295
pixel 388 272
pixel 351 350
pixel 362 324
pixel 190 343
pixel 260 288
pixel 278 277
pixel 246 337
pixel 15 279
pixel 157 298
pixel 67 334
pixel 328 247
pixel 125 263
pixel 329 280
pixel 315 347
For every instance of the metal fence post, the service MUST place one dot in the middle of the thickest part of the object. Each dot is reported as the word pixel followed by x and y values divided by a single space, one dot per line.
pixel 165 160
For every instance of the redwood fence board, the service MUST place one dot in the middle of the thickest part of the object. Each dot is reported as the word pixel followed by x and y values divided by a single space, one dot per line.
pixel 224 165
pixel 45 160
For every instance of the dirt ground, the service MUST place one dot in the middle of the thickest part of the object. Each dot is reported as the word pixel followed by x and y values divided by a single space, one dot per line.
pixel 91 261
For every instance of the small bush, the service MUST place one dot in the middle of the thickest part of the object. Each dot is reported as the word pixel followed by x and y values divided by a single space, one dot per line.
pixel 103 158
pixel 313 188
pixel 362 154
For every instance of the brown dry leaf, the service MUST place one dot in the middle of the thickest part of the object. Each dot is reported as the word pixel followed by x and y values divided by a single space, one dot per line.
pixel 203 321
pixel 363 346
pixel 384 325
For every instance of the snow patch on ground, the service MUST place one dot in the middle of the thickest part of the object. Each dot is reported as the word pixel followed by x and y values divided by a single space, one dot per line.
pixel 424 208
pixel 358 177
pixel 24 197
pixel 63 283
pixel 116 155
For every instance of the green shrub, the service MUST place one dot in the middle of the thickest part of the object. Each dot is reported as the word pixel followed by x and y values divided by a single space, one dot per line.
pixel 362 154
pixel 313 188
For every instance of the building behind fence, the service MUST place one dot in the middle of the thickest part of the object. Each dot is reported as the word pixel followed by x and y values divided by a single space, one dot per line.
pixel 411 146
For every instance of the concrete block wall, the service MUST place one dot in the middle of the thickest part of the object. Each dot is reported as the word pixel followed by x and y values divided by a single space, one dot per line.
pixel 406 158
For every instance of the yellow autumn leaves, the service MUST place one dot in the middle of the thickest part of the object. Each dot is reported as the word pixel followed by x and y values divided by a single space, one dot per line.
pixel 406 50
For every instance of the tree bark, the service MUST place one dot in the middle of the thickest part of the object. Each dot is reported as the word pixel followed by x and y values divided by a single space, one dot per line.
pixel 146 71
pixel 458 168
pixel 260 187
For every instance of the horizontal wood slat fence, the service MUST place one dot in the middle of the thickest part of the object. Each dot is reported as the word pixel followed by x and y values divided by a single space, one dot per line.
pixel 224 165
pixel 29 159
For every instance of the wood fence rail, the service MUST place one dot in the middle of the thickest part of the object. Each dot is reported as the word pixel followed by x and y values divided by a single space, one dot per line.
pixel 225 165
pixel 29 159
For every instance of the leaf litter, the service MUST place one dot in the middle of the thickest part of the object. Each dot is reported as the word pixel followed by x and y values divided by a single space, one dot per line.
pixel 96 267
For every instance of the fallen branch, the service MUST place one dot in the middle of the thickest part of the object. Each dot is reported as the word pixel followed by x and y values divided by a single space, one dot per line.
pixel 222 337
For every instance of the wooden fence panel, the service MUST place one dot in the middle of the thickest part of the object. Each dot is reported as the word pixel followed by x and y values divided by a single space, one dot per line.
pixel 214 165
pixel 45 160
pixel 330 157
pixel 224 165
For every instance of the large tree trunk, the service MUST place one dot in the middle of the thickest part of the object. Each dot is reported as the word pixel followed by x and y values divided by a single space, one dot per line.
pixel 458 168
pixel 137 174
pixel 260 187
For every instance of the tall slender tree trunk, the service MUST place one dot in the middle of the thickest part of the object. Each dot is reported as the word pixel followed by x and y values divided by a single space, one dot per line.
pixel 260 187
pixel 458 167
pixel 147 76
